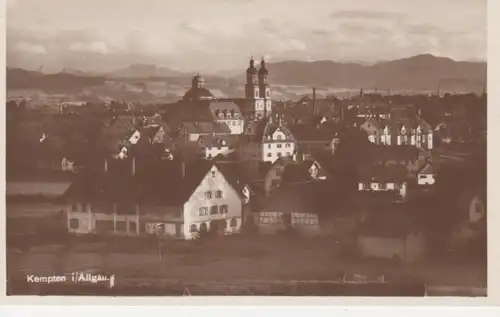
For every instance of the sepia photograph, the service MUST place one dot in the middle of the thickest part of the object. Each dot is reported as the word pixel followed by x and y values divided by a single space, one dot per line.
pixel 246 148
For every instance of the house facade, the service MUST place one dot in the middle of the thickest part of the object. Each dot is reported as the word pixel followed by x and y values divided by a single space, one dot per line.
pixel 390 180
pixel 191 200
pixel 391 132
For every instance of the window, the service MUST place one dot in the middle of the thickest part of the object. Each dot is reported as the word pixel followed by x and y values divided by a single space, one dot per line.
pixel 74 207
pixel 213 173
pixel 234 122
pixel 278 136
pixel 203 211
pixel 209 155
pixel 269 146
pixel 278 154
pixel 233 223
pixel 193 228
pixel 223 209
pixel 288 153
pixel 74 223
pixel 214 210
pixel 218 194
pixel 269 154
pixel 288 145
pixel 208 194
pixel 278 146
pixel 421 176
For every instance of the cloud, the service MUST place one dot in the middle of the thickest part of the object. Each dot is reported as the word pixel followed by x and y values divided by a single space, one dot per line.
pixel 30 48
pixel 92 47
pixel 366 15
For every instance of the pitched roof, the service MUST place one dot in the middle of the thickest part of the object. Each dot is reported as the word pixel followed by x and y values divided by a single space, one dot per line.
pixel 307 132
pixel 314 197
pixel 226 109
pixel 207 127
pixel 378 173
pixel 427 169
pixel 218 140
pixel 155 181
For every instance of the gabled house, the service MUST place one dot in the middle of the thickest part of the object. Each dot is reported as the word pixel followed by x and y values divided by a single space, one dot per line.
pixel 296 206
pixel 191 131
pixel 229 113
pixel 310 138
pixel 427 175
pixel 134 197
pixel 391 180
pixel 295 169
pixel 268 142
pixel 213 145
pixel 405 132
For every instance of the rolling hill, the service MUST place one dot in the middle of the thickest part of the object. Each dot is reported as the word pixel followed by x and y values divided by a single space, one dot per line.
pixel 418 73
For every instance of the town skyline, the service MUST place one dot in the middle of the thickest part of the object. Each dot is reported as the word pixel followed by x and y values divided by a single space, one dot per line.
pixel 183 37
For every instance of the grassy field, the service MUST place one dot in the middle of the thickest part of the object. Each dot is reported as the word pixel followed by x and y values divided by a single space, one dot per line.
pixel 233 258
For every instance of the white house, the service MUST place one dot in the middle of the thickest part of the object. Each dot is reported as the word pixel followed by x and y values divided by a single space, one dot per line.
pixel 174 200
pixel 67 165
pixel 427 175
pixel 383 179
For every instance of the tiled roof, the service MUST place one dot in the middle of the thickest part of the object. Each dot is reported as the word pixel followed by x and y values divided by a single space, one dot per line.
pixel 207 127
pixel 227 108
pixel 427 169
pixel 307 132
pixel 378 173
pixel 315 197
pixel 154 181
pixel 218 140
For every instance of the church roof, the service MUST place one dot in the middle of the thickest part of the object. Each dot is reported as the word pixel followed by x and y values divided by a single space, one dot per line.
pixel 195 93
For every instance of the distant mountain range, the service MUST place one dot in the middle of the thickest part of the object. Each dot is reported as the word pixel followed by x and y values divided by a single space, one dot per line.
pixel 418 73
pixel 61 83
pixel 421 73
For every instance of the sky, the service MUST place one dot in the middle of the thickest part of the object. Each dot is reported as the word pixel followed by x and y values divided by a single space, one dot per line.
pixel 218 35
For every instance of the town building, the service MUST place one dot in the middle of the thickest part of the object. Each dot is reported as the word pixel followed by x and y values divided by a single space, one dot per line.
pixel 408 132
pixel 166 198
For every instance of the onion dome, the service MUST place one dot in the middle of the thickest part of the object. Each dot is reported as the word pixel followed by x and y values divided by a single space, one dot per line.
pixel 263 70
pixel 251 69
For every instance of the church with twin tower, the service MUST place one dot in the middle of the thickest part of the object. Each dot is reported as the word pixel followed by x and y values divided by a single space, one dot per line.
pixel 255 106
pixel 257 91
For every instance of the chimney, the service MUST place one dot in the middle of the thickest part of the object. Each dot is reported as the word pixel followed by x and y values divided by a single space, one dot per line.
pixel 314 100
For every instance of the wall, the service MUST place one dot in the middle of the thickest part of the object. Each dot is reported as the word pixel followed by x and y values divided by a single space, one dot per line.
pixel 213 182
pixel 235 125
pixel 270 150
pixel 134 223
pixel 271 222
pixel 213 151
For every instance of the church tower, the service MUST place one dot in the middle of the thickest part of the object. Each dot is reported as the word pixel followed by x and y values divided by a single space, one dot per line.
pixel 265 91
pixel 252 93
